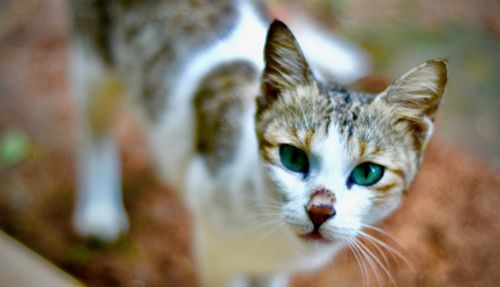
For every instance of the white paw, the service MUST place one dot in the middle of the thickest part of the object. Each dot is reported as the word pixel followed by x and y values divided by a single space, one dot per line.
pixel 106 222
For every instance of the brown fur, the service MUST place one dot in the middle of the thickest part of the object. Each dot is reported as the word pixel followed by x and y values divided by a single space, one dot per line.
pixel 115 30
pixel 221 99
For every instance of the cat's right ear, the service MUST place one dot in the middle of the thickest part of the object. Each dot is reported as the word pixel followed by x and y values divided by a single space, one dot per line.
pixel 416 96
pixel 419 92
pixel 286 66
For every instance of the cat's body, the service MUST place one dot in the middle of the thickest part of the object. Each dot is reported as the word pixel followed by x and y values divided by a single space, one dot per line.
pixel 217 138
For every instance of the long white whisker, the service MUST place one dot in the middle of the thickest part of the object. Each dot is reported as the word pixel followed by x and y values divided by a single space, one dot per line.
pixel 381 249
pixel 262 224
pixel 377 248
pixel 381 231
pixel 361 264
pixel 267 205
pixel 369 260
pixel 388 247
pixel 379 263
pixel 260 216
pixel 267 234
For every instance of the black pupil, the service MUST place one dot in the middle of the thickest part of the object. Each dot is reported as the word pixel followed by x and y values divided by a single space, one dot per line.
pixel 366 170
pixel 294 159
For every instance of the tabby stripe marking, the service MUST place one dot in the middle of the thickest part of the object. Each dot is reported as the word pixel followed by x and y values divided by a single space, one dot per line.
pixel 377 151
pixel 308 139
pixel 362 148
pixel 399 172
pixel 385 188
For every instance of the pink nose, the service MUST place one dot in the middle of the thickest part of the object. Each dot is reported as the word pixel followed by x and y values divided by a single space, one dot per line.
pixel 320 206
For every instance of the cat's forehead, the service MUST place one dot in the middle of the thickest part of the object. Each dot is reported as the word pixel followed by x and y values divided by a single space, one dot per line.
pixel 346 102
pixel 342 114
pixel 315 108
pixel 351 114
pixel 307 113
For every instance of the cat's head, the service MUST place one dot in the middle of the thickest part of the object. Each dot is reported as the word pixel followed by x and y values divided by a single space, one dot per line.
pixel 340 160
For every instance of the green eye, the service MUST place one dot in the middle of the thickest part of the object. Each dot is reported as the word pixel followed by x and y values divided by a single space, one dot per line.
pixel 294 159
pixel 367 173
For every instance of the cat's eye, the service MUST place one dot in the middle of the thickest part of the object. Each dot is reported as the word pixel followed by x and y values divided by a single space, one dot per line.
pixel 367 173
pixel 294 159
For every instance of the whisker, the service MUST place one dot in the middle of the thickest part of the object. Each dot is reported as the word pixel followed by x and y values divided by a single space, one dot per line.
pixel 393 239
pixel 377 248
pixel 369 260
pixel 361 264
pixel 376 244
pixel 381 231
pixel 263 215
pixel 388 248
pixel 379 263
pixel 266 205
pixel 267 234
pixel 259 224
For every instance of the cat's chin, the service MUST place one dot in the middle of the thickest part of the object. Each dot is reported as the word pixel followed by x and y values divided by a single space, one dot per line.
pixel 315 236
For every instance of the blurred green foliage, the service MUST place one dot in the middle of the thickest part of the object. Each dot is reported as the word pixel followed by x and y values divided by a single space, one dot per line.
pixel 14 147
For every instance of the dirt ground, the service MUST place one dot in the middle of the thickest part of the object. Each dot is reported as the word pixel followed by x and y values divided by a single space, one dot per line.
pixel 448 227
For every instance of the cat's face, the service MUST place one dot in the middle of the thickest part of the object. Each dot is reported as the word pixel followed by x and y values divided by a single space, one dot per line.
pixel 340 160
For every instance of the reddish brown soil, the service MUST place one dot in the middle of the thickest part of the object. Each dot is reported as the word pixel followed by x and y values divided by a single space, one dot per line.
pixel 448 226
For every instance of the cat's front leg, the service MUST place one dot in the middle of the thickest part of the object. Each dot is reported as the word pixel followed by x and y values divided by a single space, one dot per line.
pixel 99 208
pixel 99 211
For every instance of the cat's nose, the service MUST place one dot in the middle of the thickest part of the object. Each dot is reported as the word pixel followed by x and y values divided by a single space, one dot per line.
pixel 320 206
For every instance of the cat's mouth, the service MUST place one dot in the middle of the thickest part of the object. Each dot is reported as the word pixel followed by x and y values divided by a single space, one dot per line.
pixel 314 236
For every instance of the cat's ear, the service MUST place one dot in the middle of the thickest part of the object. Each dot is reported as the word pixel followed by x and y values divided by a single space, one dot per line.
pixel 419 92
pixel 416 96
pixel 285 64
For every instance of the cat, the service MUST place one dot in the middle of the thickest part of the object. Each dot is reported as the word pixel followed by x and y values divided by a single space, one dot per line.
pixel 279 169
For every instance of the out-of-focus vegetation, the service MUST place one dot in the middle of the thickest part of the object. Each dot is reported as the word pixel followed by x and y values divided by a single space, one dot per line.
pixel 14 147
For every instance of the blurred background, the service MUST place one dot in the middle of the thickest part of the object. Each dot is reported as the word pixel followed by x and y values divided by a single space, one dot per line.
pixel 448 227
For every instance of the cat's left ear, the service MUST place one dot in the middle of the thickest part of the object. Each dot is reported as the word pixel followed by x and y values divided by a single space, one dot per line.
pixel 286 67
pixel 416 96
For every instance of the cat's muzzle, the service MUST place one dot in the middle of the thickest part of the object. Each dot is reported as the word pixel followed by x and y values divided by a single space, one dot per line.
pixel 320 208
